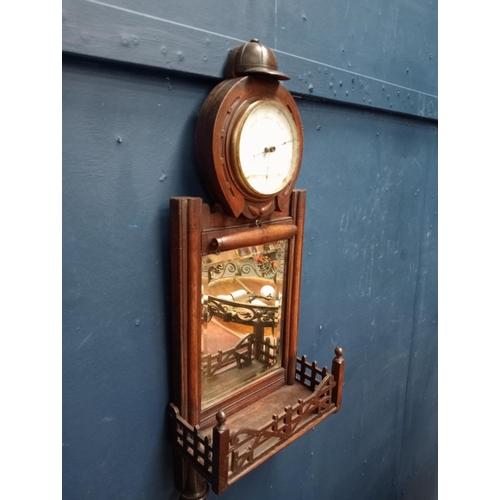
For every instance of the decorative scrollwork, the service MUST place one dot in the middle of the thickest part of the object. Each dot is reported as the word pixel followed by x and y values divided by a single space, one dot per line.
pixel 247 268
pixel 245 314
pixel 261 265
pixel 258 265
pixel 244 442
pixel 221 270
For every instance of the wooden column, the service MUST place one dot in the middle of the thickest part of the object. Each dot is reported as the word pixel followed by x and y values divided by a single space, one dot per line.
pixel 297 211
pixel 258 331
pixel 185 254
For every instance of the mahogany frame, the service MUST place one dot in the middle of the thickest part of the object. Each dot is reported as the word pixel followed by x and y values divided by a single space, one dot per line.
pixel 195 231
pixel 207 442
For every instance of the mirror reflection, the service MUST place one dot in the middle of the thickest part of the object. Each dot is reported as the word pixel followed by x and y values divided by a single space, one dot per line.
pixel 242 294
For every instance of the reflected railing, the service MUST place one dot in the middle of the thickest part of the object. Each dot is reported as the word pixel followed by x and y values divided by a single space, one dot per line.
pixel 242 293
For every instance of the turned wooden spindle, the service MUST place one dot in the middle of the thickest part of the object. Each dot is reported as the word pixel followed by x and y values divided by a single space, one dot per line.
pixel 252 237
pixel 338 374
pixel 220 454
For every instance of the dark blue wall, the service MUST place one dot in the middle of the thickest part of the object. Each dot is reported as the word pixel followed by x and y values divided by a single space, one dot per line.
pixel 370 257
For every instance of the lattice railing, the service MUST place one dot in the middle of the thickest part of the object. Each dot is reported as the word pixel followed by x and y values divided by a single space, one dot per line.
pixel 188 439
pixel 267 352
pixel 308 373
pixel 228 455
pixel 245 442
pixel 240 354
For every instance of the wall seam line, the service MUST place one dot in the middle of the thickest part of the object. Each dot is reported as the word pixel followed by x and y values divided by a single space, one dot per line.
pixel 410 350
pixel 188 26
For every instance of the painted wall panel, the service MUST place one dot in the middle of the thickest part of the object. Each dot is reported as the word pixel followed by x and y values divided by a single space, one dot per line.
pixel 418 474
pixel 361 262
pixel 391 41
pixel 127 150
pixel 383 57
pixel 233 19
pixel 370 254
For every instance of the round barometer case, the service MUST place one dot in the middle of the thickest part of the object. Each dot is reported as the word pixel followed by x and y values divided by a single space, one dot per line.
pixel 249 142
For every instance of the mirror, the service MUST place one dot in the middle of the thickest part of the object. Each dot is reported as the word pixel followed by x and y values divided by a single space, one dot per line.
pixel 242 297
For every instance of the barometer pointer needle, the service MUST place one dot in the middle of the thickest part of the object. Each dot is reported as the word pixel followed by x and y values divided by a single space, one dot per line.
pixel 271 149
pixel 267 173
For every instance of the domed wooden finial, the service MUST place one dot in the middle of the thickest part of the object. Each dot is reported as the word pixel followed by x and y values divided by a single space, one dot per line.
pixel 339 351
pixel 253 58
pixel 221 417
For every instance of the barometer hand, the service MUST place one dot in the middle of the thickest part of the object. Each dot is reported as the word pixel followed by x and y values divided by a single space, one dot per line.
pixel 263 175
pixel 271 149
pixel 283 143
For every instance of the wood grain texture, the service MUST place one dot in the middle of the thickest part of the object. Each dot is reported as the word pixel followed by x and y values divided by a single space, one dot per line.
pixel 186 304
pixel 221 437
pixel 186 313
pixel 298 208
pixel 253 237
pixel 252 393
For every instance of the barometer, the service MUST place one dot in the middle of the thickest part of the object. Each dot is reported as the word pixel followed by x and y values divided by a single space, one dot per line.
pixel 249 137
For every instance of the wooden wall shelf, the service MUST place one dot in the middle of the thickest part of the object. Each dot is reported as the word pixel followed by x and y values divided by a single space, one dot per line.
pixel 238 444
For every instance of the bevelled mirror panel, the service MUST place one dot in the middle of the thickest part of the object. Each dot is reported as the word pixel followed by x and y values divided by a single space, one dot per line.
pixel 242 292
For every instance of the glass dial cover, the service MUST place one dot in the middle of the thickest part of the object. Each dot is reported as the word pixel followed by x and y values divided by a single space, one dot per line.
pixel 267 146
